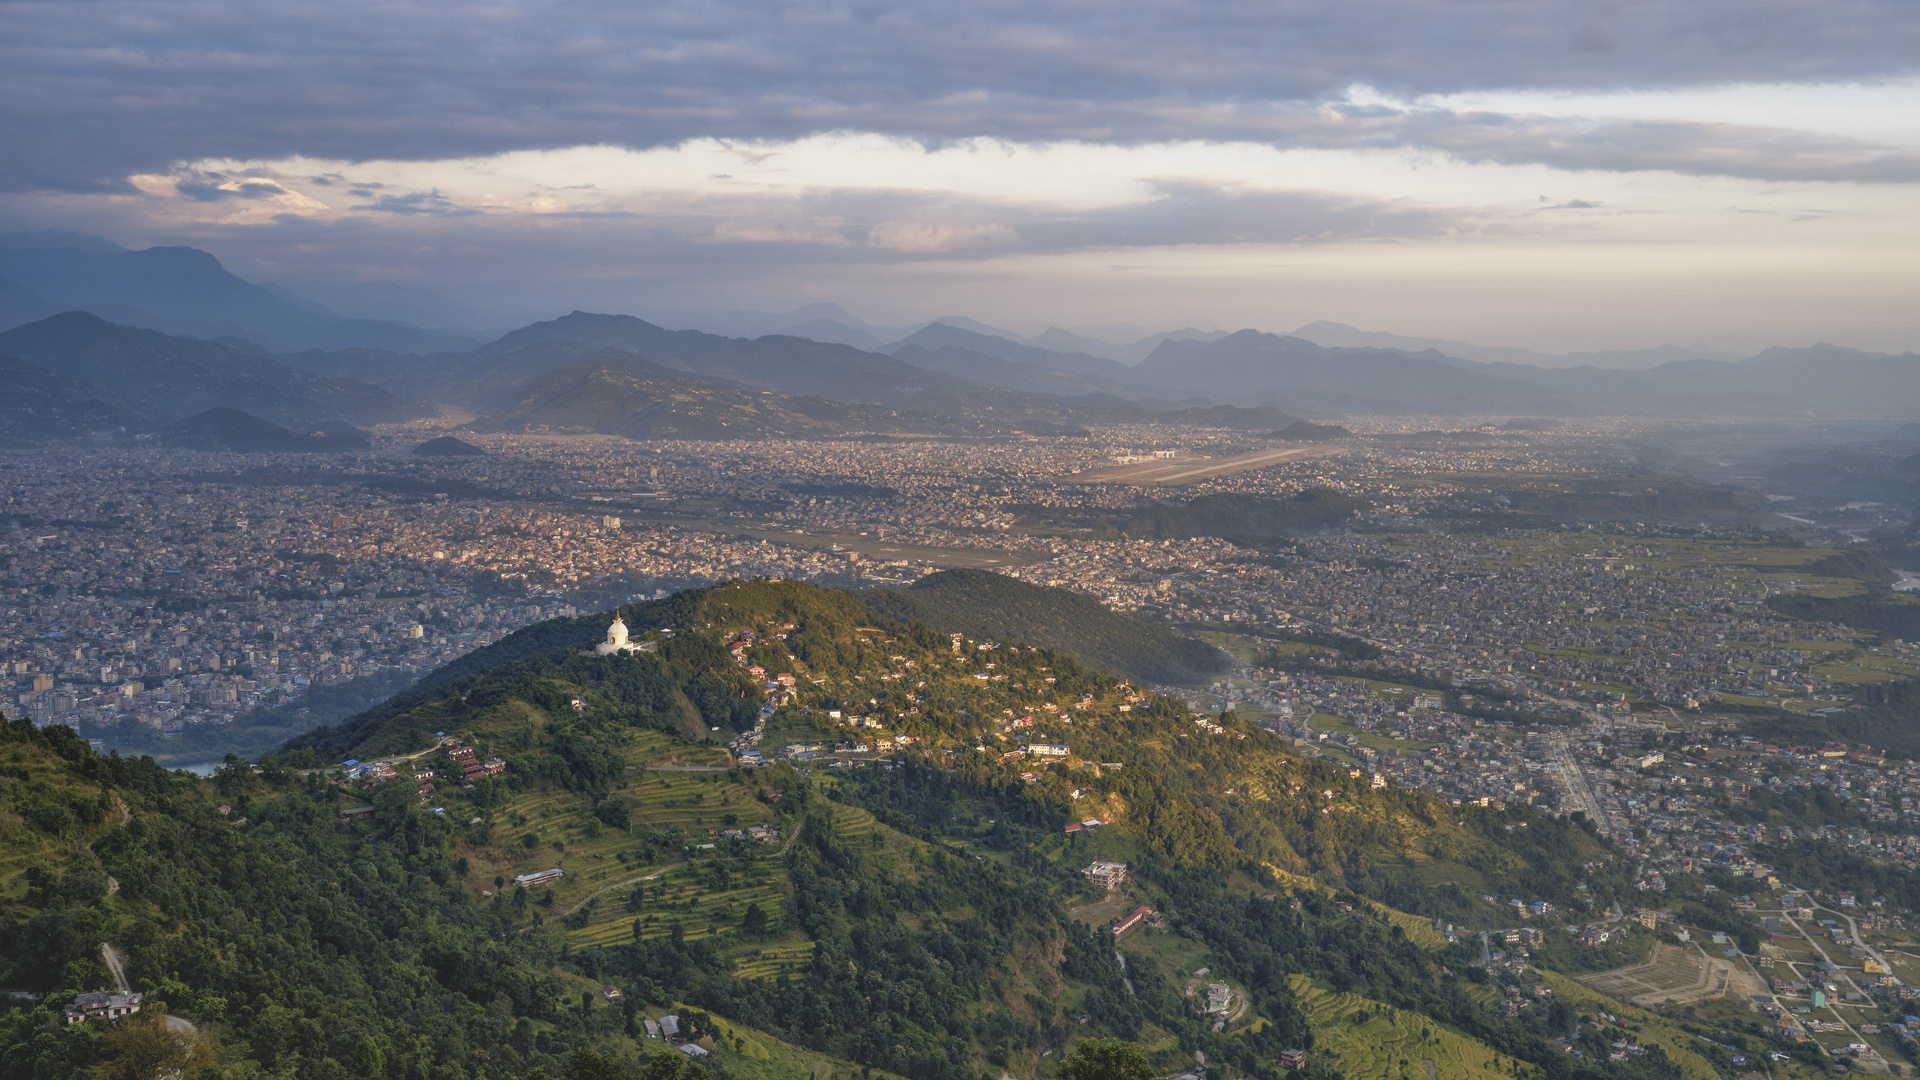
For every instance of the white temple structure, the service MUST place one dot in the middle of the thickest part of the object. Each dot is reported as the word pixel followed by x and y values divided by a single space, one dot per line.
pixel 617 641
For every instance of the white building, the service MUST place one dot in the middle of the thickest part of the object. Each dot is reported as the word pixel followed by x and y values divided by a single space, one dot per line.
pixel 617 641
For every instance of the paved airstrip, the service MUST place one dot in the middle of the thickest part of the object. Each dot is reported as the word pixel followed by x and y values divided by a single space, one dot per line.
pixel 1170 471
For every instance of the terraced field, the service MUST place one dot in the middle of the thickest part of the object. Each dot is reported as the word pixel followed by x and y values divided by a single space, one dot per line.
pixel 705 891
pixel 1366 1040
pixel 769 962
pixel 691 895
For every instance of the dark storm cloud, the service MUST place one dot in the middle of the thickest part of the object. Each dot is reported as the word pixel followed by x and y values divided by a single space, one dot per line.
pixel 93 92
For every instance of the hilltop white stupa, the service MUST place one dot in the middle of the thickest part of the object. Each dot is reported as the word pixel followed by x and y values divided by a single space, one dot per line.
pixel 617 641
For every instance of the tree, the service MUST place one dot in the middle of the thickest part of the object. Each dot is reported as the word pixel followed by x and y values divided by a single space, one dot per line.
pixel 367 1058
pixel 1107 1059
pixel 142 1047
pixel 662 1066
pixel 593 1065
pixel 754 920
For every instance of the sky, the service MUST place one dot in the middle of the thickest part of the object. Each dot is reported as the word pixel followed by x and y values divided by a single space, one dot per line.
pixel 1556 175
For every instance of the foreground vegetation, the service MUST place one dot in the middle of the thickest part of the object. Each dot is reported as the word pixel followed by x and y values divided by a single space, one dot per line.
pixel 924 918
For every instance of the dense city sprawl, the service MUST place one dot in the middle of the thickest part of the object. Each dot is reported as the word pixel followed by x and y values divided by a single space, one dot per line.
pixel 174 590
pixel 1444 639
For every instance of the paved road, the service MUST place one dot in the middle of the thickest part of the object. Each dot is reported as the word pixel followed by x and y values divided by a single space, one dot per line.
pixel 1789 920
pixel 1853 931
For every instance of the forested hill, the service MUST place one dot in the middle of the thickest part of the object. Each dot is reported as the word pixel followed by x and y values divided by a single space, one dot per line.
pixel 927 918
pixel 986 605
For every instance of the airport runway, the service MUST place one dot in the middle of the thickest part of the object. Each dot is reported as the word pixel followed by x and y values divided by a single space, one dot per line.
pixel 1170 471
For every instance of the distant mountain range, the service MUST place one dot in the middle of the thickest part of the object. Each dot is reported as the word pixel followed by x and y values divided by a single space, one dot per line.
pixel 638 400
pixel 109 340
pixel 987 393
pixel 162 377
pixel 185 291
pixel 1295 373
pixel 833 323
pixel 1340 335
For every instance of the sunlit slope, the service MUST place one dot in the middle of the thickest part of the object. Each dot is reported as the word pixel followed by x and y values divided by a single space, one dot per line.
pixel 1366 1040
pixel 928 919
pixel 1206 792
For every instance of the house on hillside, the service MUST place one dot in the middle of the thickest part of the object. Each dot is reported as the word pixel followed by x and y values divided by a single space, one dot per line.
pixel 1107 875
pixel 1131 920
pixel 1219 996
pixel 102 1006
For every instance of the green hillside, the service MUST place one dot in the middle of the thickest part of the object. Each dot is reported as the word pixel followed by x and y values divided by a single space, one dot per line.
pixel 927 918
pixel 989 606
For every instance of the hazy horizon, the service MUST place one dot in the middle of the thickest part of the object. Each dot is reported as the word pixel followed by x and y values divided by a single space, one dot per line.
pixel 1554 177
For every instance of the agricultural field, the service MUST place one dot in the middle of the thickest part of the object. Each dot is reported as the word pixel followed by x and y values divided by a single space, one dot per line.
pixel 1366 1040
pixel 1673 975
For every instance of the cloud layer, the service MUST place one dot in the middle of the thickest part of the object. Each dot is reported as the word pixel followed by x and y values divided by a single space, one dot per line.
pixel 1572 171
pixel 92 92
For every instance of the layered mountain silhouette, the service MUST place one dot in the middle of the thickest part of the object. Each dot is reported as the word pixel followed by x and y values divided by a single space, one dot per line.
pixel 941 336
pixel 638 400
pixel 1340 335
pixel 182 290
pixel 143 338
pixel 169 377
pixel 1293 373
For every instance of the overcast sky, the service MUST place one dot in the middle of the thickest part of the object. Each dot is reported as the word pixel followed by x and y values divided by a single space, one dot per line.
pixel 1553 174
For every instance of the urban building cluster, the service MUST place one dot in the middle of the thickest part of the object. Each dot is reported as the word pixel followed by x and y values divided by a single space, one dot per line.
pixel 177 588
